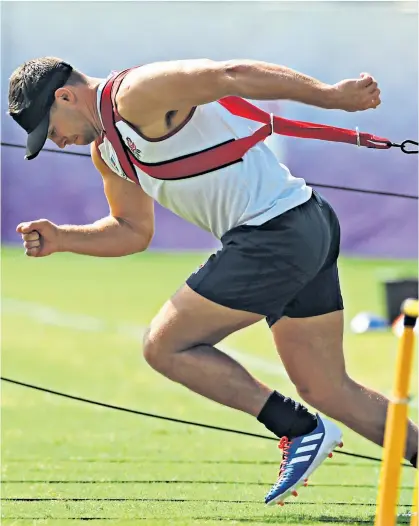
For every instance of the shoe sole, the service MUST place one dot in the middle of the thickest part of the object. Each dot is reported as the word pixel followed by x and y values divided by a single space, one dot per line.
pixel 319 460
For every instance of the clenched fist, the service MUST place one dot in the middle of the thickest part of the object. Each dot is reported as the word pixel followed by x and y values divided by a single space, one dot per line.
pixel 40 238
pixel 357 94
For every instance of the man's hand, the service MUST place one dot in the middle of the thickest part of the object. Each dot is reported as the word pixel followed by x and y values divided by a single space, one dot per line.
pixel 40 238
pixel 357 94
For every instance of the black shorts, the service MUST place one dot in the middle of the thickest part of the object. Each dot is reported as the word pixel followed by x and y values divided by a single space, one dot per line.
pixel 285 267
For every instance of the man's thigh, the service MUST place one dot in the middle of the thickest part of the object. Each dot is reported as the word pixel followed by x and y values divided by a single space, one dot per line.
pixel 189 319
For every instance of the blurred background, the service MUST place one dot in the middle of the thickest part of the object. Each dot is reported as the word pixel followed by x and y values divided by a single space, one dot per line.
pixel 74 323
pixel 328 40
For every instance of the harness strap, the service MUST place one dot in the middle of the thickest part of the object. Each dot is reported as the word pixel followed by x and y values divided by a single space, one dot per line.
pixel 111 131
pixel 306 130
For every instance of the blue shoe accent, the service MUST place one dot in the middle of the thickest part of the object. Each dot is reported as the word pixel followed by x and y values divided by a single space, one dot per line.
pixel 301 457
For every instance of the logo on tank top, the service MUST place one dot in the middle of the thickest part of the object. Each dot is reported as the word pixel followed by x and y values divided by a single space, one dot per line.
pixel 113 160
pixel 133 148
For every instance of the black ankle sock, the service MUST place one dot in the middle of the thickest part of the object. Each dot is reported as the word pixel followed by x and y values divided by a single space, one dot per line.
pixel 285 417
pixel 414 460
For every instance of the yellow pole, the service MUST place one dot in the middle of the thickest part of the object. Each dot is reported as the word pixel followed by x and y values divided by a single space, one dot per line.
pixel 396 422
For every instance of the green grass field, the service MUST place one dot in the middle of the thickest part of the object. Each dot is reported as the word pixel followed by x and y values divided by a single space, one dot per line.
pixel 73 324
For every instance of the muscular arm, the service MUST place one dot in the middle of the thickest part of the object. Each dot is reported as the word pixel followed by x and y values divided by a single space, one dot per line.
pixel 148 92
pixel 128 228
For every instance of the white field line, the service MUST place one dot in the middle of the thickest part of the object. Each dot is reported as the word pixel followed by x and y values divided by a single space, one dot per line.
pixel 47 315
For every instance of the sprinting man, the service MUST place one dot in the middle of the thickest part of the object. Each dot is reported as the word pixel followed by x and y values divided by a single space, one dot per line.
pixel 151 129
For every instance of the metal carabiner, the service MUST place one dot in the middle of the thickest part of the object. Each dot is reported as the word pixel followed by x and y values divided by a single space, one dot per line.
pixel 405 150
pixel 403 145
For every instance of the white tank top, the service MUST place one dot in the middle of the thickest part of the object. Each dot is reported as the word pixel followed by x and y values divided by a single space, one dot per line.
pixel 245 193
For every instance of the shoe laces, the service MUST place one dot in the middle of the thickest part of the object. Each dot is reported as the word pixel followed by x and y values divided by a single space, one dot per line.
pixel 285 445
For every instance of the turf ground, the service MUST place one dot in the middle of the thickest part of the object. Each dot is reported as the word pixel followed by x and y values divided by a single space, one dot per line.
pixel 74 324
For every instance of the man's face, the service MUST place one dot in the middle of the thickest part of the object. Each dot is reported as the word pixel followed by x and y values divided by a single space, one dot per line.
pixel 67 125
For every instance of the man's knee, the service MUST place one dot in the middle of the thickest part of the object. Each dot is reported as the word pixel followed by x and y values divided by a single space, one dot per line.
pixel 153 351
pixel 148 349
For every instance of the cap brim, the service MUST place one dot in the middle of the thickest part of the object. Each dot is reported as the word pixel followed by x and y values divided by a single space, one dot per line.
pixel 37 138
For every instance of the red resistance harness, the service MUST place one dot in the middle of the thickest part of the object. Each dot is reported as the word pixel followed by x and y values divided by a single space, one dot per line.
pixel 226 153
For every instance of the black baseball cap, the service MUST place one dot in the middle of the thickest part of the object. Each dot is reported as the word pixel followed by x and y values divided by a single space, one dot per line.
pixel 37 96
